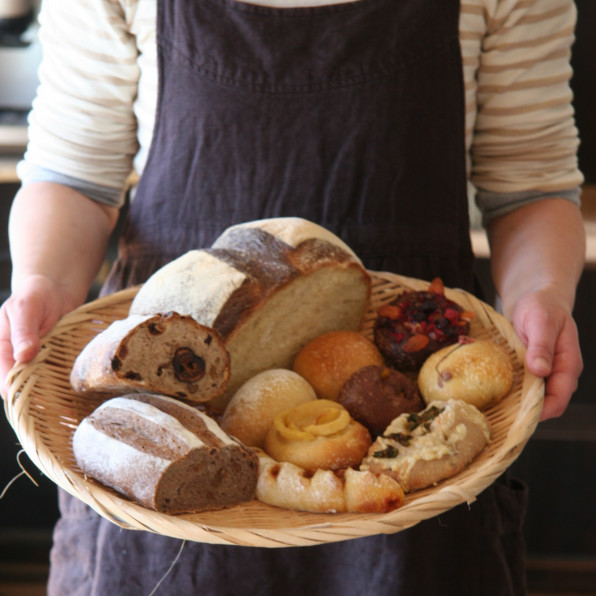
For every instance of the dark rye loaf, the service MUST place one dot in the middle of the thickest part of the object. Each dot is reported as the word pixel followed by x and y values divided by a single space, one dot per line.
pixel 164 353
pixel 268 287
pixel 165 455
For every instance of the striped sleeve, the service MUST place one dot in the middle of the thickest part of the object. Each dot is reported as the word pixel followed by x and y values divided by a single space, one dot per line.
pixel 523 137
pixel 82 124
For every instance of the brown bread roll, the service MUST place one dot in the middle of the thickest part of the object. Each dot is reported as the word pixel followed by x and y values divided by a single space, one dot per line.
pixel 375 395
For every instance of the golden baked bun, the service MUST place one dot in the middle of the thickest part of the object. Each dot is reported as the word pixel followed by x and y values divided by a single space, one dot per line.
pixel 330 359
pixel 251 410
pixel 478 372
pixel 317 434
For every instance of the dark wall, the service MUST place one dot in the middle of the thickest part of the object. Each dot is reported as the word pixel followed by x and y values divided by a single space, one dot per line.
pixel 584 86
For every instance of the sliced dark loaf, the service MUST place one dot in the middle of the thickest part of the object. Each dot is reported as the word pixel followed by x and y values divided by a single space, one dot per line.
pixel 268 287
pixel 168 354
pixel 165 455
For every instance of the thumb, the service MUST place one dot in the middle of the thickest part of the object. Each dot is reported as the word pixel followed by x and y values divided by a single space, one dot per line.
pixel 540 333
pixel 25 318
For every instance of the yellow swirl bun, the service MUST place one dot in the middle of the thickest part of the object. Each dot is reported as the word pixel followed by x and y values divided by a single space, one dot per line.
pixel 317 434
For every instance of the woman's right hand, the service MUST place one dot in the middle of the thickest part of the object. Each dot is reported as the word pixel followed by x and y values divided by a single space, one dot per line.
pixel 26 316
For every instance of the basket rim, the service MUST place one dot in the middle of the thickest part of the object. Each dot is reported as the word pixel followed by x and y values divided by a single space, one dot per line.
pixel 301 528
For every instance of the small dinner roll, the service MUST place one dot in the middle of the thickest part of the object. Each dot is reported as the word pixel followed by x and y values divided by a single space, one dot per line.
pixel 478 372
pixel 251 411
pixel 330 359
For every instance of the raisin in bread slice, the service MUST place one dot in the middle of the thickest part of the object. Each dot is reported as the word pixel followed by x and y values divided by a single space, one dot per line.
pixel 169 354
pixel 268 287
pixel 165 455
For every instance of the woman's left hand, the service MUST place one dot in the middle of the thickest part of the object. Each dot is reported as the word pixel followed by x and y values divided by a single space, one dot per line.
pixel 545 325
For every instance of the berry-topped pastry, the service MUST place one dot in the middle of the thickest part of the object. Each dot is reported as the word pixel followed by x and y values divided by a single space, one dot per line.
pixel 416 324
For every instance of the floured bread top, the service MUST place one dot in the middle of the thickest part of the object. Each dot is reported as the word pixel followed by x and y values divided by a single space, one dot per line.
pixel 293 231
pixel 171 288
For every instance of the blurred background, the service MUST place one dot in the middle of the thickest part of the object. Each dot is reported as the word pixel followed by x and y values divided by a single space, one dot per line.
pixel 558 463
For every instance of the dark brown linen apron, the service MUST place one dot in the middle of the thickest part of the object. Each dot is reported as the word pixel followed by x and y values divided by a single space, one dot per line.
pixel 351 116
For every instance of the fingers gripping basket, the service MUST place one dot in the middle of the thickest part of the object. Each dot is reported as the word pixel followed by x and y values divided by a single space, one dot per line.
pixel 44 412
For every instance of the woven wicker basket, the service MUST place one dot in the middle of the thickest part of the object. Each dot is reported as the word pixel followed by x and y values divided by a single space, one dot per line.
pixel 44 412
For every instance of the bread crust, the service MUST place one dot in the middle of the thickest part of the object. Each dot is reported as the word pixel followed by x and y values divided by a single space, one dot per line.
pixel 420 450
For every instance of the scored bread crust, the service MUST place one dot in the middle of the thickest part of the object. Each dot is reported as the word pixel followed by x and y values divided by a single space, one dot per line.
pixel 165 455
pixel 257 286
pixel 436 449
pixel 289 486
pixel 165 353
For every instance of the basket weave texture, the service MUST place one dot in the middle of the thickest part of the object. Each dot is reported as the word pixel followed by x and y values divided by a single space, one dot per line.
pixel 44 412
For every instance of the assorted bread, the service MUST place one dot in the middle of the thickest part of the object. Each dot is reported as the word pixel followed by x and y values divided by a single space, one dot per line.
pixel 268 287
pixel 301 408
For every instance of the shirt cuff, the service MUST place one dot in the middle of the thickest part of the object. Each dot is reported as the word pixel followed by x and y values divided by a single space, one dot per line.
pixel 107 195
pixel 495 204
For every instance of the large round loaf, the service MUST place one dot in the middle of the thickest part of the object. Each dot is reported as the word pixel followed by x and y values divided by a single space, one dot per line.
pixel 268 287
pixel 165 455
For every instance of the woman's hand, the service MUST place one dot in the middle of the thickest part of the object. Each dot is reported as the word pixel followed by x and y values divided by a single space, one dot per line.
pixel 26 317
pixel 547 328
pixel 58 239
pixel 537 254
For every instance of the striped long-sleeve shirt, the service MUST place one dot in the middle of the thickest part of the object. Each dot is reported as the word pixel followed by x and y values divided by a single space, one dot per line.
pixel 92 121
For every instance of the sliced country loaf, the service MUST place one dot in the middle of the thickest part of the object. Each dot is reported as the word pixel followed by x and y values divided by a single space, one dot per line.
pixel 268 287
pixel 165 455
pixel 163 353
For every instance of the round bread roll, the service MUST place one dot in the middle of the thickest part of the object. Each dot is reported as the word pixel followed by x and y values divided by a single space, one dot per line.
pixel 329 360
pixel 421 449
pixel 317 434
pixel 479 372
pixel 375 395
pixel 251 411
